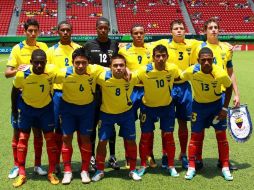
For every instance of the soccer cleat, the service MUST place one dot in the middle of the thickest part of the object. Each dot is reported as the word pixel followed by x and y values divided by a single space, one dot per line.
pixel 172 171
pixel 151 161
pixel 127 164
pixel 67 178
pixel 53 179
pixel 231 167
pixel 113 163
pixel 226 174
pixel 14 172
pixel 20 181
pixel 164 161
pixel 93 167
pixel 185 163
pixel 85 177
pixel 199 164
pixel 38 170
pixel 142 171
pixel 98 176
pixel 190 174
pixel 134 174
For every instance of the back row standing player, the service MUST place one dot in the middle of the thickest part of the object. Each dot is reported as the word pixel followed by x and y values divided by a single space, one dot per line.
pixel 60 55
pixel 222 54
pixel 138 54
pixel 179 50
pixel 19 58
pixel 100 50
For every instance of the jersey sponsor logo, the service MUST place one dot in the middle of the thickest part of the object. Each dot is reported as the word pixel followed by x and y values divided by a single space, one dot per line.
pixel 95 50
pixel 58 55
pixel 23 55
pixel 32 83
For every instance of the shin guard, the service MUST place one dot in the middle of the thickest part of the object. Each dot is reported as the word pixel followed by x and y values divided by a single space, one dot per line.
pixel 168 140
pixel 144 146
pixel 22 151
pixel 195 143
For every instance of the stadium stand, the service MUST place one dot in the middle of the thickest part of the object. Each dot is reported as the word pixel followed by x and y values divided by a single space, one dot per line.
pixel 46 15
pixel 6 10
pixel 83 15
pixel 232 15
pixel 154 15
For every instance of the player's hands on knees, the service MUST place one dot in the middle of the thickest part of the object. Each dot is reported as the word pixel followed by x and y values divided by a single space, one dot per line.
pixel 236 101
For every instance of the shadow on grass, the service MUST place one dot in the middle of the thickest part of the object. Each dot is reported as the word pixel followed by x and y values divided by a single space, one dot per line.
pixel 210 170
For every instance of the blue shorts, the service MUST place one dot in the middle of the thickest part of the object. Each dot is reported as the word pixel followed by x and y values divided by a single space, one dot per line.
pixel 42 117
pixel 150 115
pixel 56 99
pixel 182 97
pixel 203 115
pixel 76 118
pixel 125 120
pixel 136 97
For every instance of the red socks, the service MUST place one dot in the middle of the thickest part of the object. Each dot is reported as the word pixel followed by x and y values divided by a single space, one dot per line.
pixel 86 152
pixel 169 145
pixel 223 148
pixel 51 150
pixel 66 156
pixel 195 143
pixel 14 145
pixel 22 151
pixel 145 147
pixel 131 151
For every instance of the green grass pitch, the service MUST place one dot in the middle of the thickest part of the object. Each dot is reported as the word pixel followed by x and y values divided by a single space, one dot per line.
pixel 208 178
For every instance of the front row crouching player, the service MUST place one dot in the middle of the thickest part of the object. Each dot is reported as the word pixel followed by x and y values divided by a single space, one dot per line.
pixel 116 108
pixel 158 78
pixel 77 110
pixel 208 108
pixel 36 106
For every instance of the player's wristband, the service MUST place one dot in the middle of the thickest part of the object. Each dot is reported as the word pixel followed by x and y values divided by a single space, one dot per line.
pixel 225 109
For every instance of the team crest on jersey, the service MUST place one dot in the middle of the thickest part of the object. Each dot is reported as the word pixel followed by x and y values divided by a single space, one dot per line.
pixel 110 53
pixel 240 125
pixel 90 81
pixel 188 50
pixel 127 87
pixel 214 84
pixel 148 54
pixel 168 77
pixel 223 55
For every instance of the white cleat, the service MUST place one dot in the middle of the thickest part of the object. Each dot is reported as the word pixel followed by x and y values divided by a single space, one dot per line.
pixel 67 178
pixel 14 172
pixel 38 170
pixel 98 176
pixel 134 175
pixel 85 177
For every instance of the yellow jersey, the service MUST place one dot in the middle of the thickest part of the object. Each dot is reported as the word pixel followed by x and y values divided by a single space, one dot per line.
pixel 61 56
pixel 179 53
pixel 21 53
pixel 222 54
pixel 78 89
pixel 206 87
pixel 36 89
pixel 136 57
pixel 158 84
pixel 115 92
